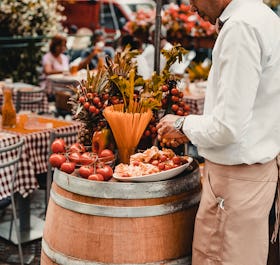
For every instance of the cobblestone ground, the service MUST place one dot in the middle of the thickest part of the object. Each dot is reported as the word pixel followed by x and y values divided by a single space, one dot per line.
pixel 9 250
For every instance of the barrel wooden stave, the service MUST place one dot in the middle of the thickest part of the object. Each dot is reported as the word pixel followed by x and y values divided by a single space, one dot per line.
pixel 118 240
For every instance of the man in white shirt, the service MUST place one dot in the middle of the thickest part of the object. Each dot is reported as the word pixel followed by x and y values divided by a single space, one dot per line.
pixel 238 134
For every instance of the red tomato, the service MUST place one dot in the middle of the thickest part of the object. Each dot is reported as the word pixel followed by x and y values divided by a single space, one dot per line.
pixel 161 166
pixel 86 105
pixel 85 171
pixel 174 91
pixel 136 163
pixel 82 99
pixel 96 100
pixel 92 109
pixel 68 167
pixel 180 112
pixel 176 160
pixel 57 159
pixel 164 88
pixel 58 146
pixel 175 107
pixel 87 158
pixel 74 157
pixel 106 172
pixel 187 107
pixel 106 152
pixel 106 96
pixel 97 177
pixel 163 158
pixel 175 98
pixel 77 147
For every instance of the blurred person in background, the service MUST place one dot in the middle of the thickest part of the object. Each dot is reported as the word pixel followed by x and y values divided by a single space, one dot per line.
pixel 92 56
pixel 135 44
pixel 54 62
pixel 148 55
pixel 130 40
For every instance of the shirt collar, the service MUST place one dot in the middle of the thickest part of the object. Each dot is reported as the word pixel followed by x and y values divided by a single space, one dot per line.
pixel 232 7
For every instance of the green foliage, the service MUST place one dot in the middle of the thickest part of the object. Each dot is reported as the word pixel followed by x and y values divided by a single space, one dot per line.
pixel 25 27
pixel 21 59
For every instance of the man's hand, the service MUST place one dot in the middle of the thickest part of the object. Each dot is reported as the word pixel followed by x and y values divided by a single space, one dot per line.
pixel 167 134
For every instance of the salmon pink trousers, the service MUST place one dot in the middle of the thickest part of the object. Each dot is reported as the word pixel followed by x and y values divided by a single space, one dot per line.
pixel 232 221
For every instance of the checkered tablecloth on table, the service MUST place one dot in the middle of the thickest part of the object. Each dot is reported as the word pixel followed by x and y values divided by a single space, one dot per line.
pixel 196 103
pixel 195 96
pixel 33 161
pixel 43 107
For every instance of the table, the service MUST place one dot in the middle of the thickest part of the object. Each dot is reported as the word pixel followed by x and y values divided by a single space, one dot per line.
pixel 68 78
pixel 60 81
pixel 34 161
pixel 44 107
pixel 195 97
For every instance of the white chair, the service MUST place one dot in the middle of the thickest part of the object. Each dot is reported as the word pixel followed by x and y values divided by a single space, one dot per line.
pixel 13 153
pixel 62 92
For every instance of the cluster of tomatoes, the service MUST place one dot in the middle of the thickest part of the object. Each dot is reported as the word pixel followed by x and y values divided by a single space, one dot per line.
pixel 93 103
pixel 172 103
pixel 89 165
pixel 172 100
pixel 151 129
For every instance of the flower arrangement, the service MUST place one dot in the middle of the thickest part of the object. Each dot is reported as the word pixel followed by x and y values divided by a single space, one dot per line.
pixel 180 22
pixel 26 25
pixel 30 17
pixel 139 27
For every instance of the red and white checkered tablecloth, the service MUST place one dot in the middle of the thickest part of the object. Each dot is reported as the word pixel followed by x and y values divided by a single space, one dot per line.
pixel 196 103
pixel 42 107
pixel 34 159
pixel 195 97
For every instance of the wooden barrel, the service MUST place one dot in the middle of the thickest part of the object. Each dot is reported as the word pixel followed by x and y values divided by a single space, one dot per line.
pixel 90 222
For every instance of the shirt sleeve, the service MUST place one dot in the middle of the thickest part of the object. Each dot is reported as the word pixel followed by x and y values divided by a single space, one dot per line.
pixel 233 85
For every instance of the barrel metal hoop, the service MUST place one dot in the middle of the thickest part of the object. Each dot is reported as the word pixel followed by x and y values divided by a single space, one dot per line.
pixel 114 211
pixel 62 259
pixel 127 190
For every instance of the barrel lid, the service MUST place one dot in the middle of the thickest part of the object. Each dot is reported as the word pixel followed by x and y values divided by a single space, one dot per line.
pixel 186 181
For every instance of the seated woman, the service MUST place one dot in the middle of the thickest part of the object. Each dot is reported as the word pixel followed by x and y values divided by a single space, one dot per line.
pixel 54 61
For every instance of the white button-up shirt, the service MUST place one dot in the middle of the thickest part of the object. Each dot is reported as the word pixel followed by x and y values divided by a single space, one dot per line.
pixel 241 120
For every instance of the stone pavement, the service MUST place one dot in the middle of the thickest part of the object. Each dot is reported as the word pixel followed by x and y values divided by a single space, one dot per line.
pixel 7 249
